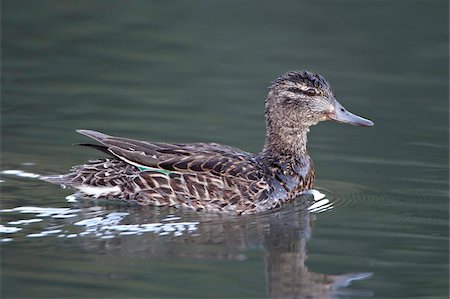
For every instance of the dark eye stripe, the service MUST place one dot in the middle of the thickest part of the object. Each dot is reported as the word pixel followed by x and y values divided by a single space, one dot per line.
pixel 296 90
pixel 310 91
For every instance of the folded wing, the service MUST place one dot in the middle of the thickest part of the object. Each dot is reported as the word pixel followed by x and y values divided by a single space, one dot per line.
pixel 211 158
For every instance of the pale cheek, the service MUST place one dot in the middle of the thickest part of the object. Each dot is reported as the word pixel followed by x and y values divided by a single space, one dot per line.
pixel 323 117
pixel 323 110
pixel 331 108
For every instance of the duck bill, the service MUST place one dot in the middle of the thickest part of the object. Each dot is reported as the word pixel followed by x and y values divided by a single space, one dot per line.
pixel 341 115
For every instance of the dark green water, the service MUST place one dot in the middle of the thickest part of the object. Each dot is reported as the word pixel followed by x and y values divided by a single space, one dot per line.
pixel 196 72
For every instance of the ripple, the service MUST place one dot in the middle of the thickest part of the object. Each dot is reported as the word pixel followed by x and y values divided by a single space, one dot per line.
pixel 21 173
pixel 44 212
pixel 343 195
pixel 9 229
pixel 321 203
pixel 96 222
pixel 44 233
pixel 383 161
pixel 376 212
pixel 101 223
pixel 24 222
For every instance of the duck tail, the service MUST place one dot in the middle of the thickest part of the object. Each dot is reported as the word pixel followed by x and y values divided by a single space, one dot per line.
pixel 58 179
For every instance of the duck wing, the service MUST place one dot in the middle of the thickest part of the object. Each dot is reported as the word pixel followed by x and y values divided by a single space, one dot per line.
pixel 205 158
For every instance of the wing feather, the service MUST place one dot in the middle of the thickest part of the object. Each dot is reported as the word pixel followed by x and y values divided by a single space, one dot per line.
pixel 214 158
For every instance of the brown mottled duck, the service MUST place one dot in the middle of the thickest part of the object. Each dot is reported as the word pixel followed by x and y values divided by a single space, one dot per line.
pixel 215 177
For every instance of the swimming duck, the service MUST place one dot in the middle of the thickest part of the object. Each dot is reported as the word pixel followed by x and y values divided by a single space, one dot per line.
pixel 215 177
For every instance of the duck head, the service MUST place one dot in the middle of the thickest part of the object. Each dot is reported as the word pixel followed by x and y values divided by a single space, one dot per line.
pixel 306 98
pixel 296 101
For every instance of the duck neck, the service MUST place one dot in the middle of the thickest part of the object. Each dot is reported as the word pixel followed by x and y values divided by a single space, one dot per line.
pixel 285 143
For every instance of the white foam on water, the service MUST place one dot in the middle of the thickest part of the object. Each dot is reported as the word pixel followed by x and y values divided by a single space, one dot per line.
pixel 171 218
pixel 28 175
pixel 110 224
pixel 44 233
pixel 9 229
pixel 317 195
pixel 129 233
pixel 21 173
pixel 24 222
pixel 177 228
pixel 322 208
pixel 321 203
pixel 11 171
pixel 89 222
pixel 110 219
pixel 117 214
pixel 318 204
pixel 104 227
pixel 36 235
pixel 169 228
pixel 44 212
pixel 64 216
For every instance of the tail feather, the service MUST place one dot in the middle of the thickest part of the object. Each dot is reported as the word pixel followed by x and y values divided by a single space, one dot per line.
pixel 55 179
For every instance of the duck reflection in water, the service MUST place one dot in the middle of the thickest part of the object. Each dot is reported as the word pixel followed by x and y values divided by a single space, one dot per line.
pixel 286 255
pixel 282 234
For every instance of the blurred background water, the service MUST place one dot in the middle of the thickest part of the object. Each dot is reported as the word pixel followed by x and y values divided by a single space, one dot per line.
pixel 198 71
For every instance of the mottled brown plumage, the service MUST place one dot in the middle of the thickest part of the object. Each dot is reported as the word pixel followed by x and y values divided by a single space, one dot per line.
pixel 214 177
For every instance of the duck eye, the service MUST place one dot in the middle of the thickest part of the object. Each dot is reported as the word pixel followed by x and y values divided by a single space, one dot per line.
pixel 311 92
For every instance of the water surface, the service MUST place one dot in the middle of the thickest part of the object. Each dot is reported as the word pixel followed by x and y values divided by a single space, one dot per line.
pixel 198 72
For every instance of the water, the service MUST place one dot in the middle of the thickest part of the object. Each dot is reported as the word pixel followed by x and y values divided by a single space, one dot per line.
pixel 198 71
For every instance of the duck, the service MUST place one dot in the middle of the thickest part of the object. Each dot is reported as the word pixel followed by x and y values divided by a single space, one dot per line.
pixel 213 177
